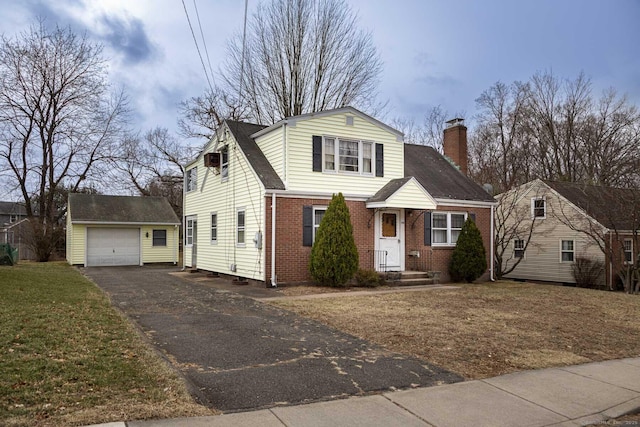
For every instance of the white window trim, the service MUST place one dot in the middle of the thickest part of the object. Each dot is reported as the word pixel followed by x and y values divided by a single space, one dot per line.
pixel 519 249
pixel 238 228
pixel 573 251
pixel 624 251
pixel 214 241
pixel 448 243
pixel 336 156
pixel 315 227
pixel 13 218
pixel 192 181
pixel 533 215
pixel 188 219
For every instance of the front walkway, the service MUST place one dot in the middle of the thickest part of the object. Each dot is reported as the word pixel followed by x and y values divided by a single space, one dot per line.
pixel 569 396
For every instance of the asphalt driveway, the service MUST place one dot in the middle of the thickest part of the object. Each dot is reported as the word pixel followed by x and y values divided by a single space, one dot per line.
pixel 239 354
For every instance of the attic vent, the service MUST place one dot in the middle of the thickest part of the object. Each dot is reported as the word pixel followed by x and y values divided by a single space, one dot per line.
pixel 349 120
pixel 212 160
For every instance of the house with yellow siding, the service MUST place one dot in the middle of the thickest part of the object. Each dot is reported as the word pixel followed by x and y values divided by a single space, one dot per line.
pixel 255 196
pixel 120 230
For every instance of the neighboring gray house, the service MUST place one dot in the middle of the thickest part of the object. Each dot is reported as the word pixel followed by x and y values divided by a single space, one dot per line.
pixel 10 213
pixel 120 230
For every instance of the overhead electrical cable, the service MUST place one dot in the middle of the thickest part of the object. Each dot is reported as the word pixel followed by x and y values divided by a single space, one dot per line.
pixel 204 43
pixel 186 12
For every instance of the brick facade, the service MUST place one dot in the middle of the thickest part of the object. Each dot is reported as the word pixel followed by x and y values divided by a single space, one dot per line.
pixel 292 258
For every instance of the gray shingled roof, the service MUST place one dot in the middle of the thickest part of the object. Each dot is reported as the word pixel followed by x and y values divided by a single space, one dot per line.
pixel 615 208
pixel 12 208
pixel 242 133
pixel 120 209
pixel 439 177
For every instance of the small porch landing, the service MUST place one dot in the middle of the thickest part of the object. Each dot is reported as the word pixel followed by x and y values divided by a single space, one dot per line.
pixel 411 278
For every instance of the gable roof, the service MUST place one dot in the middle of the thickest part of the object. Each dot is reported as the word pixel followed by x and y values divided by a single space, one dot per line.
pixel 439 177
pixel 402 193
pixel 12 208
pixel 614 208
pixel 98 208
pixel 242 132
pixel 348 109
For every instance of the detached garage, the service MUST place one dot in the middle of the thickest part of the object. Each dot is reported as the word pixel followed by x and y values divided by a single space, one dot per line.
pixel 120 230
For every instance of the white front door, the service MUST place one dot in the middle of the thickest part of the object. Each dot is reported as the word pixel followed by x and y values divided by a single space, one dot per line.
pixel 389 241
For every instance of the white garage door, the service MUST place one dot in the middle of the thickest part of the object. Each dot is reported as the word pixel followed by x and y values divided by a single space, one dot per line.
pixel 113 246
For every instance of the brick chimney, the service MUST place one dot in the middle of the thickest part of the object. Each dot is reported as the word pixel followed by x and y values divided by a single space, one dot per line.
pixel 455 143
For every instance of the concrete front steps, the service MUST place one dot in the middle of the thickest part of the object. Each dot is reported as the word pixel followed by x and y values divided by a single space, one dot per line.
pixel 411 278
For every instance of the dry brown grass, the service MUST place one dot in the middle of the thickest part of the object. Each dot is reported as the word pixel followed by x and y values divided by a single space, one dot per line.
pixel 486 330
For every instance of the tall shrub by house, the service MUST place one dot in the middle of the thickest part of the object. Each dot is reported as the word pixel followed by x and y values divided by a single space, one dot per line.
pixel 468 261
pixel 334 256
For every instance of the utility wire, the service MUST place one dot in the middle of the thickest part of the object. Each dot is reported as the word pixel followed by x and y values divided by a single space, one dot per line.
pixel 197 47
pixel 244 40
pixel 204 43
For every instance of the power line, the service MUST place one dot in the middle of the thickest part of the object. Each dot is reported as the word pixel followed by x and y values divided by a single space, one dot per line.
pixel 197 47
pixel 244 39
pixel 204 43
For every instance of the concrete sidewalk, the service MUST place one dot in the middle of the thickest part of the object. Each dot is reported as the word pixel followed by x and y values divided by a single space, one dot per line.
pixel 569 396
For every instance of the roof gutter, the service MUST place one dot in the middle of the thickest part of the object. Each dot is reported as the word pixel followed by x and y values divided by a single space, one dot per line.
pixel 274 281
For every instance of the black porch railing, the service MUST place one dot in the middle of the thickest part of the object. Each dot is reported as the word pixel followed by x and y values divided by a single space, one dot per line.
pixel 420 260
pixel 378 260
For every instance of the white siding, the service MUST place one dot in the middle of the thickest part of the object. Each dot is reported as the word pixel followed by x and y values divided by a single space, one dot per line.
pixel 300 167
pixel 241 190
pixel 542 261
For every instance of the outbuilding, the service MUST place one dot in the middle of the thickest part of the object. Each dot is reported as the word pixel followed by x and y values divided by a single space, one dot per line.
pixel 121 230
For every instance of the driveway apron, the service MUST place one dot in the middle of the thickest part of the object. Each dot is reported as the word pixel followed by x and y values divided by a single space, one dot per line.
pixel 239 354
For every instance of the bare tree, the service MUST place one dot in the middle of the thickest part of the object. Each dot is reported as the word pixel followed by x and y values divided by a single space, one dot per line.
pixel 513 221
pixel 153 163
pixel 612 219
pixel 200 116
pixel 429 132
pixel 58 120
pixel 556 130
pixel 302 56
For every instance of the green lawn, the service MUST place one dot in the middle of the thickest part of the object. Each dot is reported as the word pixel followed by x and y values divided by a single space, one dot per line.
pixel 68 358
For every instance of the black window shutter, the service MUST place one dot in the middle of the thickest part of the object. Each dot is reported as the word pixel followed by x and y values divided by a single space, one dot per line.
pixel 427 229
pixel 307 226
pixel 379 160
pixel 472 215
pixel 317 153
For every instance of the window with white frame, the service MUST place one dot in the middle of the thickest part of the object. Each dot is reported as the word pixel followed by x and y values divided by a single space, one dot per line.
pixel 192 179
pixel 628 251
pixel 567 250
pixel 224 164
pixel 240 227
pixel 446 227
pixel 347 156
pixel 318 214
pixel 13 218
pixel 188 235
pixel 518 248
pixel 214 227
pixel 538 208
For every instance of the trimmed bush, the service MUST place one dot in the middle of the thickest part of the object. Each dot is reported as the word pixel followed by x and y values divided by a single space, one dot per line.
pixel 334 256
pixel 469 260
pixel 368 278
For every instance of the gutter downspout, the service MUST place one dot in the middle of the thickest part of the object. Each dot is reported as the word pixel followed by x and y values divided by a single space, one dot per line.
pixel 176 235
pixel 274 283
pixel 610 262
pixel 284 154
pixel 493 262
pixel 184 218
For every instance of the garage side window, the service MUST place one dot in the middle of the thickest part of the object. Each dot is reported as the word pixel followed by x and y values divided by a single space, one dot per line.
pixel 159 237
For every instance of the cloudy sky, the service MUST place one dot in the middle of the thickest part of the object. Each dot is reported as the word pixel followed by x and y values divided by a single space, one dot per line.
pixel 435 52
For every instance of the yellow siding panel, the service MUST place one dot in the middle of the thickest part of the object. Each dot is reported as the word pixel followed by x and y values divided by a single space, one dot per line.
pixel 410 195
pixel 168 253
pixel 76 255
pixel 241 190
pixel 300 174
pixel 271 145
